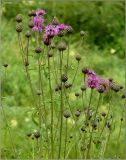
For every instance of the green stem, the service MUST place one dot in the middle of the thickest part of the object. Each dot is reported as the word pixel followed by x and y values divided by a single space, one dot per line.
pixel 61 109
pixel 117 144
pixel 87 114
pixel 51 96
pixel 33 150
pixel 11 139
pixel 68 55
pixel 91 134
pixel 27 50
pixel 65 140
pixel 75 73
pixel 106 116
pixel 106 145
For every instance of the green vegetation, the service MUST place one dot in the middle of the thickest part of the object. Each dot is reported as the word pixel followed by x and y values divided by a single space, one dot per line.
pixel 102 51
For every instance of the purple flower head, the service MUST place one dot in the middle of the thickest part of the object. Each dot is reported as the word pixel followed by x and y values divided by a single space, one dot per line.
pixel 38 23
pixel 92 81
pixel 61 27
pixel 51 30
pixel 90 72
pixel 40 12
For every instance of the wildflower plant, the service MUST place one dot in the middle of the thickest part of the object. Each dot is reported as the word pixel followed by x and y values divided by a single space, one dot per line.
pixel 62 128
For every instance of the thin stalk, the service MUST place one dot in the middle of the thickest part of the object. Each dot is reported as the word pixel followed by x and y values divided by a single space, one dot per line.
pixel 106 116
pixel 11 139
pixel 68 52
pixel 65 140
pixel 26 68
pixel 118 138
pixel 75 73
pixel 27 50
pixel 91 134
pixel 55 71
pixel 52 113
pixel 33 150
pixel 39 106
pixel 61 109
pixel 87 114
pixel 68 103
pixel 83 98
pixel 106 145
pixel 43 100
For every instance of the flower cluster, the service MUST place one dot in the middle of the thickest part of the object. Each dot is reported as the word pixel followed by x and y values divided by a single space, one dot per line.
pixel 94 81
pixel 50 30
pixel 38 21
pixel 54 30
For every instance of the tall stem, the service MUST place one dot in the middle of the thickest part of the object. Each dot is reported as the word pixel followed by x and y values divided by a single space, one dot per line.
pixel 87 114
pixel 51 96
pixel 43 100
pixel 61 109
pixel 11 139
pixel 65 140
pixel 75 73
pixel 68 52
pixel 91 134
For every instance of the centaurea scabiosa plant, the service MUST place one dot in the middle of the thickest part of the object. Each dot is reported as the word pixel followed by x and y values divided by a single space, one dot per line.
pixel 46 48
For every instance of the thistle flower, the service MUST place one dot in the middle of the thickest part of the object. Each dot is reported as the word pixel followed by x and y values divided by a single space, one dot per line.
pixel 91 72
pixel 92 81
pixel 51 30
pixel 61 27
pixel 38 23
pixel 40 12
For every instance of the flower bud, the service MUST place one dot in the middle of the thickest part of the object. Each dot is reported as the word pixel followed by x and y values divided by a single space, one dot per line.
pixel 50 54
pixel 85 70
pixel 83 88
pixel 66 114
pixel 101 89
pixel 31 24
pixel 77 113
pixel 19 18
pixel 55 21
pixel 5 65
pixel 28 34
pixel 78 57
pixel 77 94
pixel 82 33
pixel 121 119
pixel 60 33
pixel 38 50
pixel 124 96
pixel 31 13
pixel 19 27
pixel 62 46
pixel 37 134
pixel 64 78
pixel 29 134
pixel 103 114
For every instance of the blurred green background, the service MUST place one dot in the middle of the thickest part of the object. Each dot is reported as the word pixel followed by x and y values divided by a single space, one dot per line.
pixel 103 51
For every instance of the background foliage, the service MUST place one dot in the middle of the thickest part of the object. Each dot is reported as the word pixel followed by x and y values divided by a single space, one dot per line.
pixel 103 51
